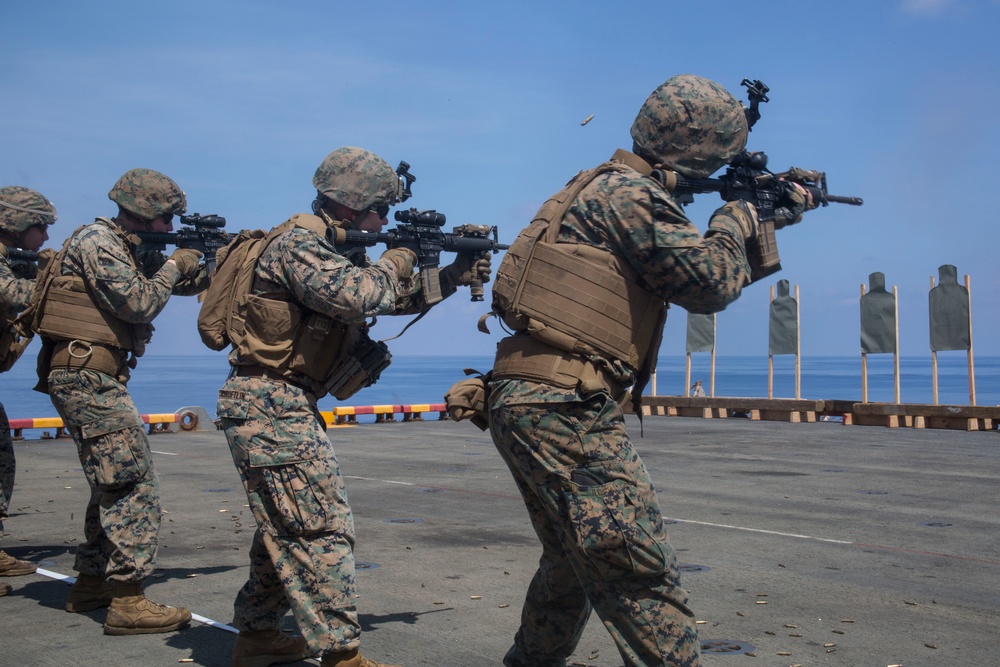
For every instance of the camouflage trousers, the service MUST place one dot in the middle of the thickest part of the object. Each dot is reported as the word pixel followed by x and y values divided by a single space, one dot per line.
pixel 302 555
pixel 7 466
pixel 122 520
pixel 604 547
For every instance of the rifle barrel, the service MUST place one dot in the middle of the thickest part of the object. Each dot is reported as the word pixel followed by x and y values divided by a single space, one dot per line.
pixel 853 201
pixel 169 238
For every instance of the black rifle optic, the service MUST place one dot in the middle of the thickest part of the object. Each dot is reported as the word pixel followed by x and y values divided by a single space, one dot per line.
pixel 421 233
pixel 17 257
pixel 198 232
pixel 748 179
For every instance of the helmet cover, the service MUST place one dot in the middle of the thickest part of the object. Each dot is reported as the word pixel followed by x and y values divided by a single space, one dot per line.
pixel 357 179
pixel 690 124
pixel 21 208
pixel 148 194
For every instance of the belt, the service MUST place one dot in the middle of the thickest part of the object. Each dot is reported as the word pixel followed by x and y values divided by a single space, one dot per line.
pixel 523 357
pixel 82 355
pixel 258 371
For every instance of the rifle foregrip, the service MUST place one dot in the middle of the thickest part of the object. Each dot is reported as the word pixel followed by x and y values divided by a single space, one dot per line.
pixel 476 287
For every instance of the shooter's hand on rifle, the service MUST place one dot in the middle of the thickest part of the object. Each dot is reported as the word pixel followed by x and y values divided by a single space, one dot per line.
pixel 403 259
pixel 188 261
pixel 796 198
pixel 472 269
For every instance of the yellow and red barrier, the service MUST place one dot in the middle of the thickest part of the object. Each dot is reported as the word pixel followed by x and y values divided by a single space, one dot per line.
pixel 190 419
pixel 346 415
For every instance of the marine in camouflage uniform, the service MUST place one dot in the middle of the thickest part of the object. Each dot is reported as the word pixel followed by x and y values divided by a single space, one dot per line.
pixel 302 554
pixel 590 499
pixel 87 385
pixel 24 219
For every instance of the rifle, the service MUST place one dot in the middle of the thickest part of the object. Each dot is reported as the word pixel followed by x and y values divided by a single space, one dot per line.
pixel 421 233
pixel 201 232
pixel 18 258
pixel 748 179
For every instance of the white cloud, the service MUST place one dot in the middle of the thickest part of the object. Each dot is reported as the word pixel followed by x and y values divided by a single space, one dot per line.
pixel 929 7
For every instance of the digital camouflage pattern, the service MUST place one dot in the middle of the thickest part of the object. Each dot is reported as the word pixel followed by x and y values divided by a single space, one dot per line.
pixel 302 554
pixel 589 497
pixel 303 267
pixel 15 293
pixel 148 194
pixel 357 179
pixel 8 466
pixel 123 515
pixel 122 520
pixel 603 543
pixel 150 261
pixel 112 275
pixel 22 207
pixel 691 125
pixel 633 217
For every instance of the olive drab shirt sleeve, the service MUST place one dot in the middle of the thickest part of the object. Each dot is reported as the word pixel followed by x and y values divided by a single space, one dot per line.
pixel 103 261
pixel 15 292
pixel 305 265
pixel 634 218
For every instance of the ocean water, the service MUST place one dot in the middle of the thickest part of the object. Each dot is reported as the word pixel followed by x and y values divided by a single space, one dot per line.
pixel 163 384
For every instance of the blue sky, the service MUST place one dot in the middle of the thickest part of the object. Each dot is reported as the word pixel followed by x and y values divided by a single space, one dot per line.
pixel 239 101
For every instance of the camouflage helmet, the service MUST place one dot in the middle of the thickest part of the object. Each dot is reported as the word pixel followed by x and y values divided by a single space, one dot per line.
pixel 21 208
pixel 148 194
pixel 357 179
pixel 690 124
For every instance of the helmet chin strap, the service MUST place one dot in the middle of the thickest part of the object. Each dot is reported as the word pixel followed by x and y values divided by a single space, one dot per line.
pixel 319 209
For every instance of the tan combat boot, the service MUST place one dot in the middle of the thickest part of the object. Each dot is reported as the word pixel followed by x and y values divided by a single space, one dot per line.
pixel 89 592
pixel 263 648
pixel 5 590
pixel 12 567
pixel 352 658
pixel 131 613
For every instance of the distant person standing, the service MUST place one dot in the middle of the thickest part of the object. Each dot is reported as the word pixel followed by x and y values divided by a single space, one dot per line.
pixel 697 389
pixel 25 216
pixel 94 309
pixel 306 335
pixel 584 288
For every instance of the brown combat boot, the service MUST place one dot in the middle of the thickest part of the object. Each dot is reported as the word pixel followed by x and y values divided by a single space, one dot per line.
pixel 352 658
pixel 263 648
pixel 89 592
pixel 12 567
pixel 5 589
pixel 131 613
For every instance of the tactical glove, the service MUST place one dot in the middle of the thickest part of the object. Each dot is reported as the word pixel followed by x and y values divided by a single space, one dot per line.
pixel 467 400
pixel 795 200
pixel 468 269
pixel 188 261
pixel 402 259
pixel 741 214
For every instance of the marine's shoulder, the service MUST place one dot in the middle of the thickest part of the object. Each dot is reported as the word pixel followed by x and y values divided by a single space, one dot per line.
pixel 102 231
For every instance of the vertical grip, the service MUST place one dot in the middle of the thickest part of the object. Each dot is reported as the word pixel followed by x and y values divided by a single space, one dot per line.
pixel 476 287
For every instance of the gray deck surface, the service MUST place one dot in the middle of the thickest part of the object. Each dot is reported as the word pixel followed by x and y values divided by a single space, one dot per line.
pixel 870 546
